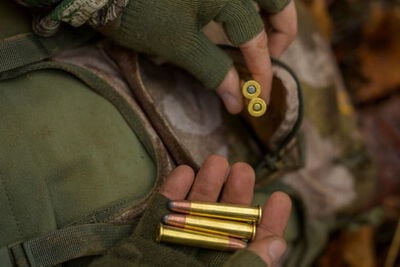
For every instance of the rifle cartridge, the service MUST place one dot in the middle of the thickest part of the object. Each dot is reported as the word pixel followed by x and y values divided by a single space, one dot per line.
pixel 176 235
pixel 232 212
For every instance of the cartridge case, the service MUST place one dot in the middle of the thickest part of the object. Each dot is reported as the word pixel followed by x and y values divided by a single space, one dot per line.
pixel 230 228
pixel 232 212
pixel 257 107
pixel 175 235
pixel 251 89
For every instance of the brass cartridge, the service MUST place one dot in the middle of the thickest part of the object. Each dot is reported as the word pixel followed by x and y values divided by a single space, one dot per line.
pixel 251 89
pixel 236 229
pixel 257 107
pixel 232 212
pixel 175 235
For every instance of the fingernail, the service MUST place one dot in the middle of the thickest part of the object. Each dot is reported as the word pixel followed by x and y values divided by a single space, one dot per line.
pixel 276 249
pixel 231 103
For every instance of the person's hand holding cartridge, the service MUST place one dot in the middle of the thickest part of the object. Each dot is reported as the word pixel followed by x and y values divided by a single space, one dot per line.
pixel 172 29
pixel 216 181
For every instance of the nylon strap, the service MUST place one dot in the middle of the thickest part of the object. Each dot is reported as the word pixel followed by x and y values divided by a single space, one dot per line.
pixel 28 48
pixel 64 244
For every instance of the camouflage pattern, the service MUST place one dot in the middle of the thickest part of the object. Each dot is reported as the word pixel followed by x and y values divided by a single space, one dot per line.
pixel 338 138
pixel 192 120
pixel 337 175
pixel 74 12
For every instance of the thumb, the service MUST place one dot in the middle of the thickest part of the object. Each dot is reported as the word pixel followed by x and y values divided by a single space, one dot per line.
pixel 270 249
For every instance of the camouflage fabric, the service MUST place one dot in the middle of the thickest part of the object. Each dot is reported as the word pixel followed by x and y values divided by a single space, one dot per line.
pixel 337 140
pixel 337 176
pixel 73 12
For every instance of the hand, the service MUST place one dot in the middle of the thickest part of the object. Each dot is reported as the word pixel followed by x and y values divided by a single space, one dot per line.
pixel 280 21
pixel 217 181
pixel 281 29
pixel 172 29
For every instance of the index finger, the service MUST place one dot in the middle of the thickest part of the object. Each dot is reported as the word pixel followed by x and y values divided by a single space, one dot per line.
pixel 257 58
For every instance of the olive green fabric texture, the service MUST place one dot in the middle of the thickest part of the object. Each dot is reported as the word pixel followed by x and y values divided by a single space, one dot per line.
pixel 141 249
pixel 172 29
pixel 273 6
pixel 65 153
pixel 244 258
pixel 20 47
pixel 14 19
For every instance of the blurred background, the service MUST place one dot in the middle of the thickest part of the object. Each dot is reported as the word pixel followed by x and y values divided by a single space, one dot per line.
pixel 365 38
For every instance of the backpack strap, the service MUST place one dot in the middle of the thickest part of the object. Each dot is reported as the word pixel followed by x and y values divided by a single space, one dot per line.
pixel 28 48
pixel 55 247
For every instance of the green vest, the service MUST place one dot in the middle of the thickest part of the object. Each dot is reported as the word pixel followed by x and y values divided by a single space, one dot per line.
pixel 70 155
pixel 78 156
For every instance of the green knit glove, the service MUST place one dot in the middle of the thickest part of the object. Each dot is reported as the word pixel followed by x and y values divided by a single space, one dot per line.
pixel 172 29
pixel 273 6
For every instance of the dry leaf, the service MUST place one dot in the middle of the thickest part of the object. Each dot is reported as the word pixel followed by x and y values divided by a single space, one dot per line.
pixel 379 53
pixel 353 248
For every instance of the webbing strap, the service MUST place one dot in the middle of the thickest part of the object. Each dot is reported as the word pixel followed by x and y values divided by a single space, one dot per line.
pixel 28 48
pixel 64 244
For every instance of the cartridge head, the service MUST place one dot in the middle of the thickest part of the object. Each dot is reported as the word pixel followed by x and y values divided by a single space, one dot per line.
pixel 251 89
pixel 257 107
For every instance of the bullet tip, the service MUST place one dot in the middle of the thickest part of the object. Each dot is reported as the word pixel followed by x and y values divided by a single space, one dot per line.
pixel 170 204
pixel 165 218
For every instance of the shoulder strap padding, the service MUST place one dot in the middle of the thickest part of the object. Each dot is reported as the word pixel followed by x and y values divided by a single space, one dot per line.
pixel 28 48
